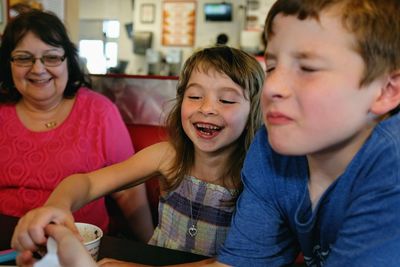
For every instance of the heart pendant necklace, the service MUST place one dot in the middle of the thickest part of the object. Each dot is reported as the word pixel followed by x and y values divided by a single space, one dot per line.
pixel 192 231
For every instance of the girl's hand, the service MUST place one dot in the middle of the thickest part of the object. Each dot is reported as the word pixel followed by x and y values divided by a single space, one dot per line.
pixel 70 250
pixel 29 233
pixel 25 259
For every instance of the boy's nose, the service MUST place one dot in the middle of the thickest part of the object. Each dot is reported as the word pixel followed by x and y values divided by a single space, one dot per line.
pixel 276 85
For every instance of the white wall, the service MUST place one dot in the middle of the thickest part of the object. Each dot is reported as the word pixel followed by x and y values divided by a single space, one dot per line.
pixel 3 15
pixel 121 10
pixel 71 19
pixel 205 32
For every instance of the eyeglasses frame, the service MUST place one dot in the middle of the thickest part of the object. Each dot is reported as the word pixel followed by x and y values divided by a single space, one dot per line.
pixel 34 61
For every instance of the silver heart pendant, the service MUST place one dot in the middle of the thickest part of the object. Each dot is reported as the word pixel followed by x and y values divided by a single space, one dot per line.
pixel 192 231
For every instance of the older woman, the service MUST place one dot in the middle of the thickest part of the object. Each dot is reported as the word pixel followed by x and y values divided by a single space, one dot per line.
pixel 52 125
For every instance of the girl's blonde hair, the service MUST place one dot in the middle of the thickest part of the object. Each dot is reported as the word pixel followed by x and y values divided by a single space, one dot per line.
pixel 245 71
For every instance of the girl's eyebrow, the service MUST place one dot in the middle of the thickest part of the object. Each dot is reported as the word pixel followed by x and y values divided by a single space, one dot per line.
pixel 234 90
pixel 192 84
pixel 224 89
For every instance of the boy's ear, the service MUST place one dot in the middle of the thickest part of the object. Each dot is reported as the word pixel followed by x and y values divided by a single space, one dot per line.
pixel 389 97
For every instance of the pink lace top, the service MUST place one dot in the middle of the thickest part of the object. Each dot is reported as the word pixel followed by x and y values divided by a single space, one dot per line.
pixel 33 163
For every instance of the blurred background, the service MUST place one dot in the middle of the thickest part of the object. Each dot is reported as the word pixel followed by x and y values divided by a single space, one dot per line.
pixel 142 37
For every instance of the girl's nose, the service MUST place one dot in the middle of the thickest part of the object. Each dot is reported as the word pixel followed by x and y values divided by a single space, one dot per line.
pixel 208 106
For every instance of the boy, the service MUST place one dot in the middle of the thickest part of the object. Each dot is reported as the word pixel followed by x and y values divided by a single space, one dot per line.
pixel 323 178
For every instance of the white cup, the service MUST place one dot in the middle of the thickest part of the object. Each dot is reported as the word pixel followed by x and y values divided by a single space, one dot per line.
pixel 91 235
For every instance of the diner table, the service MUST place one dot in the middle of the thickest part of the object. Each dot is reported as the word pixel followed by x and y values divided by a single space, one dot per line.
pixel 7 225
pixel 133 251
pixel 112 247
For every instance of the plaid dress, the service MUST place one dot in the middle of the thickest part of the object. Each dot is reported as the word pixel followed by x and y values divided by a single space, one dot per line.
pixel 198 203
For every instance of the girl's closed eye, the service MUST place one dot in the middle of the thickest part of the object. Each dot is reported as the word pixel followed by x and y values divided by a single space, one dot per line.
pixel 193 92
pixel 226 101
pixel 230 96
pixel 194 97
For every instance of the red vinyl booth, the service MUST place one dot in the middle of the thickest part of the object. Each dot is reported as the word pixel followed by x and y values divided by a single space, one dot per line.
pixel 142 136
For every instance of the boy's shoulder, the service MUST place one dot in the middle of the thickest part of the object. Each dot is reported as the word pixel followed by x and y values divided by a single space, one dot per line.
pixel 388 129
pixel 386 136
pixel 380 150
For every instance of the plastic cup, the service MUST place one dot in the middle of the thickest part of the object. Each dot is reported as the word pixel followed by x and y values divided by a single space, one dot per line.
pixel 91 235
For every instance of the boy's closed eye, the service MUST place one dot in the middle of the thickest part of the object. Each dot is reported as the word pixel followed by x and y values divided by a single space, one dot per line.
pixel 269 69
pixel 308 68
pixel 312 63
pixel 270 65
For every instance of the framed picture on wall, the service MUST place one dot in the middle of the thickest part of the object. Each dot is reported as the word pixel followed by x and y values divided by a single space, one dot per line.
pixel 179 20
pixel 147 13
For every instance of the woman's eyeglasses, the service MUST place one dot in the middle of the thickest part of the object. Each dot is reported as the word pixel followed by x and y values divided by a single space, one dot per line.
pixel 29 60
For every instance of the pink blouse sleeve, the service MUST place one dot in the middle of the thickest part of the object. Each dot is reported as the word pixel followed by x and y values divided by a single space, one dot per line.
pixel 117 141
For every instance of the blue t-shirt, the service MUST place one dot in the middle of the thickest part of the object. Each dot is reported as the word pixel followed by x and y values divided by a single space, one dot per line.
pixel 355 223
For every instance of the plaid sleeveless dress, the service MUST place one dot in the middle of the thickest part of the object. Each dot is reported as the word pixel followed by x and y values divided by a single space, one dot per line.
pixel 194 203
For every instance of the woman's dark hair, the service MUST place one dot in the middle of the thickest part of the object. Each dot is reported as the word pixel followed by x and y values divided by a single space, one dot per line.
pixel 51 30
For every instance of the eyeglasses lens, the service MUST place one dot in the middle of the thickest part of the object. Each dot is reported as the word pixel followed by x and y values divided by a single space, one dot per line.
pixel 47 60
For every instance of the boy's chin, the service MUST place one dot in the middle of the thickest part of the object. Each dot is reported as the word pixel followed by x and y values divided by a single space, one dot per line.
pixel 284 148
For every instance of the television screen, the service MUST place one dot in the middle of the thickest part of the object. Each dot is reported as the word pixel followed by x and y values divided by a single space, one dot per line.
pixel 218 11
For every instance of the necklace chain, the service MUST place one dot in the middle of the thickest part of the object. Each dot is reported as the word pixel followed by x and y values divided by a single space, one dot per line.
pixel 192 231
pixel 50 124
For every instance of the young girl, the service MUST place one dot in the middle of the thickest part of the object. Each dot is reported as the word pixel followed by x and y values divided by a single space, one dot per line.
pixel 210 128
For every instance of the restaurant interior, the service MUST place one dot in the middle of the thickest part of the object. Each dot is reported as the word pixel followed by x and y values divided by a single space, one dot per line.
pixel 137 47
pixel 133 51
pixel 141 37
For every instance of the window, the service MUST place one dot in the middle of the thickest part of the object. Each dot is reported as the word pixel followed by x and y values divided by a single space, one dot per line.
pixel 98 45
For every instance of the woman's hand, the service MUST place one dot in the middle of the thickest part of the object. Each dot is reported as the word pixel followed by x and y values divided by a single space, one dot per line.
pixel 29 232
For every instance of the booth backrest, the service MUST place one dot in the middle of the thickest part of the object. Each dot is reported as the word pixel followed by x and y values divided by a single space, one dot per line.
pixel 144 102
pixel 141 136
pixel 144 135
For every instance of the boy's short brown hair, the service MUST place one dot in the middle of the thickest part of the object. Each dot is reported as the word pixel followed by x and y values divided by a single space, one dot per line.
pixel 374 23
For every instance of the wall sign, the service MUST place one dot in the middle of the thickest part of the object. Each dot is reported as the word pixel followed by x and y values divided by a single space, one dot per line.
pixel 147 13
pixel 179 20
